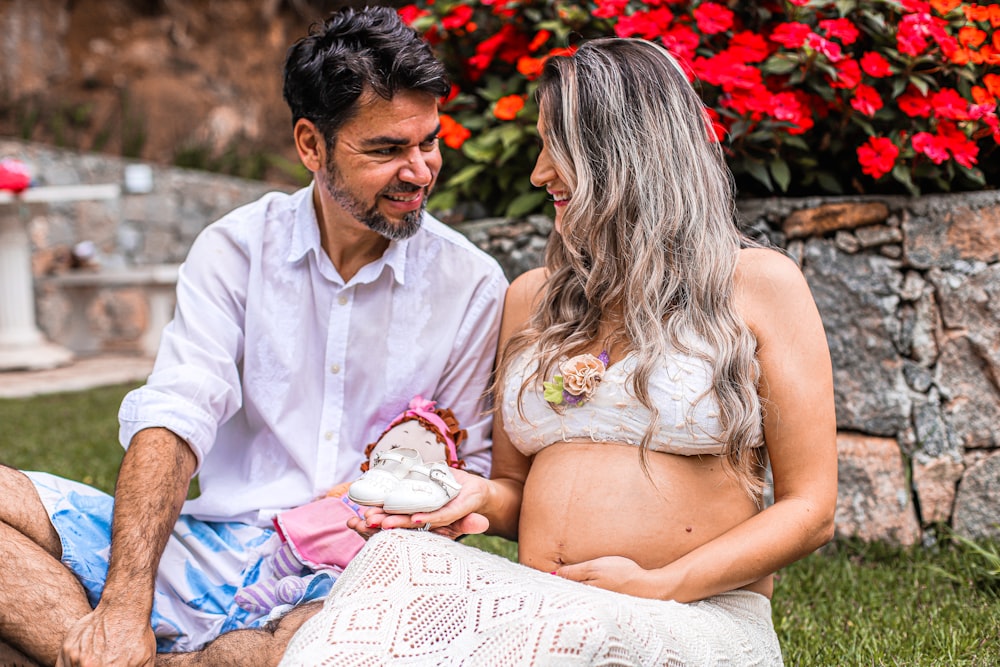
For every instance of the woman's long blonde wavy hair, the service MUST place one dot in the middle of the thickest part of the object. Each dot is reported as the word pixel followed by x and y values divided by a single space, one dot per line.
pixel 648 243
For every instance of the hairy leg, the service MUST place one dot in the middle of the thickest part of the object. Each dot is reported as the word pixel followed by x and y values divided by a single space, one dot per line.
pixel 11 657
pixel 246 648
pixel 39 597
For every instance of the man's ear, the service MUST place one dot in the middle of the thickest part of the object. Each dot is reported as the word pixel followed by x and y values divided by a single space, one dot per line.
pixel 310 144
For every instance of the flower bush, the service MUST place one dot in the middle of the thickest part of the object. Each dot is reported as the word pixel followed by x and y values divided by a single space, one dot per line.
pixel 807 96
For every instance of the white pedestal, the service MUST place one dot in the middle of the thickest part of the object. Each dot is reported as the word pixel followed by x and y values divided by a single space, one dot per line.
pixel 22 345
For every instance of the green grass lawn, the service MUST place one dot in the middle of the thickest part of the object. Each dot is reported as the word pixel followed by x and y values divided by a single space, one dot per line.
pixel 850 604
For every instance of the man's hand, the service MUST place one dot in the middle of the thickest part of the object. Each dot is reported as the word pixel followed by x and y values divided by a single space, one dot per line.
pixel 108 639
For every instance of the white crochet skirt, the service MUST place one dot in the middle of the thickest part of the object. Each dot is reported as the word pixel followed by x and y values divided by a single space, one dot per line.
pixel 415 598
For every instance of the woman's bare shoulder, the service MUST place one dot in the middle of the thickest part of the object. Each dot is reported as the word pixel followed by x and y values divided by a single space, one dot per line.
pixel 522 296
pixel 526 287
pixel 768 283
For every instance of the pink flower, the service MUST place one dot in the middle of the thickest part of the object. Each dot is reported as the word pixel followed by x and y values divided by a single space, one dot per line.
pixel 877 156
pixel 822 45
pixel 930 145
pixel 866 100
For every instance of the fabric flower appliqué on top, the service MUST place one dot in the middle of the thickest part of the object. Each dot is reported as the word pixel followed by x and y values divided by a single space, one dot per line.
pixel 580 376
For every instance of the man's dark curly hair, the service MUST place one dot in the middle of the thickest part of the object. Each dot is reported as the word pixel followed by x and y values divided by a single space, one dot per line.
pixel 352 51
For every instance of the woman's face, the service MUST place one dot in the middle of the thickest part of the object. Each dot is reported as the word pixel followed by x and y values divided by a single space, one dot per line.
pixel 544 175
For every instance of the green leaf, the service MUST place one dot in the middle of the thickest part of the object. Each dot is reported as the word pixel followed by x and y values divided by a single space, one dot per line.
pixel 781 173
pixel 510 133
pixel 524 204
pixel 553 390
pixel 466 174
pixel 444 200
pixel 779 64
pixel 796 142
pixel 759 173
pixel 920 84
pixel 902 175
pixel 828 182
pixel 483 148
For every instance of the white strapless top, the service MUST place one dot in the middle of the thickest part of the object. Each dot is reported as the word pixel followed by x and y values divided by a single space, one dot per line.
pixel 680 388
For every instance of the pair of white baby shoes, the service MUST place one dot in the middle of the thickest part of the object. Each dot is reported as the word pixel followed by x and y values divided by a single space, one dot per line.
pixel 400 482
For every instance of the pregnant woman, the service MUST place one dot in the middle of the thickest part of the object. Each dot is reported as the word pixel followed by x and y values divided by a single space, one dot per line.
pixel 650 374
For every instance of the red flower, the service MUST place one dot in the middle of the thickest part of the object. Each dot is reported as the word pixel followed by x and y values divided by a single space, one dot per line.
pixel 841 28
pixel 607 9
pixel 791 108
pixel 866 100
pixel 529 67
pixel 457 17
pixel 877 156
pixel 960 146
pixel 875 65
pixel 453 134
pixel 749 47
pixel 947 103
pixel 539 40
pixel 914 103
pixel 681 41
pixel 507 107
pixel 971 37
pixel 942 7
pixel 647 25
pixel 717 131
pixel 983 13
pixel 727 72
pixel 411 13
pixel 848 74
pixel 791 35
pixel 712 18
pixel 992 83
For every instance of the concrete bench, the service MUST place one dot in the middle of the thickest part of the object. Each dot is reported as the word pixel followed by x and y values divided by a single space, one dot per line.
pixel 90 311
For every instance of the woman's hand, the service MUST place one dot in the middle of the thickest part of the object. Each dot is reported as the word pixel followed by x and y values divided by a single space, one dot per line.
pixel 613 573
pixel 459 516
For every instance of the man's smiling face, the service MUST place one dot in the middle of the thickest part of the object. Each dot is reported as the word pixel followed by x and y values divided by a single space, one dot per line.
pixel 384 163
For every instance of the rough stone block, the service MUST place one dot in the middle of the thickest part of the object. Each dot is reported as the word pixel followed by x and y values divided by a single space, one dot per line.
pixel 935 481
pixel 831 217
pixel 942 236
pixel 874 500
pixel 976 515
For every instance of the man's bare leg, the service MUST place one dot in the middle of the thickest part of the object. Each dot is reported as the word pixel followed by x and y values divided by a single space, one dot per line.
pixel 11 657
pixel 39 598
pixel 246 648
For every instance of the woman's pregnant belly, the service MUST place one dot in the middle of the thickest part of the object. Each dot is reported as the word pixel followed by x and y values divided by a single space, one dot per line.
pixel 584 500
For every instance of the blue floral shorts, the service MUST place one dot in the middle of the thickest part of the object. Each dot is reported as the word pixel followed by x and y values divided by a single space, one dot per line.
pixel 203 566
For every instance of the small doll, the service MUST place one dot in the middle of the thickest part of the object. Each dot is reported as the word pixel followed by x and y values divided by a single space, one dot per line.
pixel 407 471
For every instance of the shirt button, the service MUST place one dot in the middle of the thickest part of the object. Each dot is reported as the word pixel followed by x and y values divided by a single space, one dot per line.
pixel 342 301
pixel 335 369
pixel 328 435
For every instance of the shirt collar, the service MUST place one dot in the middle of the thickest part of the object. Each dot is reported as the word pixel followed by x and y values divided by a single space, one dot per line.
pixel 305 239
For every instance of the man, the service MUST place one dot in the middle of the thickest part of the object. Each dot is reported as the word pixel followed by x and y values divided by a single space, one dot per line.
pixel 304 324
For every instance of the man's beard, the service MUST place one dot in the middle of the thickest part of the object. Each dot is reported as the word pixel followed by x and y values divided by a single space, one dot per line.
pixel 370 216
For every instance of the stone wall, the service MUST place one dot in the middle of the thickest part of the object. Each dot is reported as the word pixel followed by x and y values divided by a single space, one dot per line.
pixel 905 287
